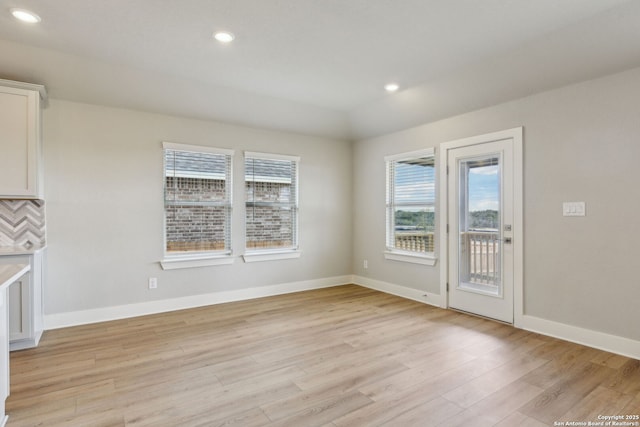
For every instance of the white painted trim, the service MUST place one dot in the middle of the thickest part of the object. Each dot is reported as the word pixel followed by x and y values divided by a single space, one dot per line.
pixel 195 261
pixel 410 155
pixel 481 139
pixel 443 221
pixel 269 156
pixel 270 256
pixel 398 290
pixel 26 86
pixel 411 258
pixel 15 272
pixel 600 340
pixel 26 343
pixel 516 134
pixel 104 314
pixel 196 148
pixel 518 226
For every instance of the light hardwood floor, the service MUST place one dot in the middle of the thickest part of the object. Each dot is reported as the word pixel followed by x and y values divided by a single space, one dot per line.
pixel 343 356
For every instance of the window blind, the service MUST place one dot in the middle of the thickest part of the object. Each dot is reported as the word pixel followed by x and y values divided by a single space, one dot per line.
pixel 411 203
pixel 197 200
pixel 271 185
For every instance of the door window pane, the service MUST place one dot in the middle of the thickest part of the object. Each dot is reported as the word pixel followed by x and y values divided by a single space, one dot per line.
pixel 479 216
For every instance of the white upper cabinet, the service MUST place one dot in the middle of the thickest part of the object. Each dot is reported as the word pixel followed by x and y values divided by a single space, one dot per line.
pixel 20 140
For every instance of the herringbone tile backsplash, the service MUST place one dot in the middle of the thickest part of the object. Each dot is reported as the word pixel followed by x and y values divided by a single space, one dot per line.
pixel 22 221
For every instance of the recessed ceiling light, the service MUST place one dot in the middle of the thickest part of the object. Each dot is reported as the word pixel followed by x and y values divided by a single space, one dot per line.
pixel 391 87
pixel 25 16
pixel 223 36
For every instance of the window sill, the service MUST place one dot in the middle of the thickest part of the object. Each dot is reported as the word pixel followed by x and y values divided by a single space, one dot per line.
pixel 270 255
pixel 191 261
pixel 411 258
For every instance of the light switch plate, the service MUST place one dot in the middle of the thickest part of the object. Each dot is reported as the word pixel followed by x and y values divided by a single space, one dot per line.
pixel 574 209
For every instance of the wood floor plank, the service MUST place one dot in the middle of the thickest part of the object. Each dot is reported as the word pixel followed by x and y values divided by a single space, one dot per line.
pixel 359 374
pixel 610 360
pixel 291 405
pixel 600 401
pixel 440 383
pixel 430 413
pixel 551 405
pixel 433 366
pixel 633 407
pixel 467 418
pixel 44 412
pixel 251 418
pixel 384 410
pixel 499 405
pixel 334 357
pixel 516 419
pixel 627 378
pixel 494 380
pixel 325 411
pixel 568 392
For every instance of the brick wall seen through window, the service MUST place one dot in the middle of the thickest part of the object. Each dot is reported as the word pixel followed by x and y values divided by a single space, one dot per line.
pixel 197 200
pixel 271 202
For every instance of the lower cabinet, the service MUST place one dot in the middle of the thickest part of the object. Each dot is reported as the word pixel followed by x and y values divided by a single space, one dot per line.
pixel 25 302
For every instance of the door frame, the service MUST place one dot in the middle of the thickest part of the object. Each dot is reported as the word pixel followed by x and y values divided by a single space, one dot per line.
pixel 515 134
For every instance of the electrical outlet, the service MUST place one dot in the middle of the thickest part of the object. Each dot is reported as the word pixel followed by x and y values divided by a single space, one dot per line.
pixel 153 283
pixel 365 264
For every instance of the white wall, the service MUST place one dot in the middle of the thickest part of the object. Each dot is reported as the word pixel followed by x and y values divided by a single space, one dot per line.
pixel 104 204
pixel 104 201
pixel 581 143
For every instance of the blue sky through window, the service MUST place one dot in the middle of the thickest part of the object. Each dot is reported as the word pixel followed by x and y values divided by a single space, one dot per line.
pixel 484 188
pixel 415 184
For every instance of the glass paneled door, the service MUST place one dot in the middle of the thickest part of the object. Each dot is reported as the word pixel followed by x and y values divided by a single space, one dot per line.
pixel 480 194
pixel 479 239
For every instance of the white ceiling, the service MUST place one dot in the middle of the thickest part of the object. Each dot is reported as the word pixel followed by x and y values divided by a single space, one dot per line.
pixel 316 66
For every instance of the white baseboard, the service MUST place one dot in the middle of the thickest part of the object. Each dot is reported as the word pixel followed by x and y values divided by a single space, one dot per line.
pixel 600 340
pixel 74 318
pixel 401 291
pixel 611 343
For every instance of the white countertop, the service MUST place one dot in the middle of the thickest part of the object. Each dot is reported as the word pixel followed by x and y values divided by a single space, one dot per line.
pixel 20 250
pixel 9 273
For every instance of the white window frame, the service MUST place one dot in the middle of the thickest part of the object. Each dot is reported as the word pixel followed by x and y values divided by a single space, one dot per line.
pixel 206 258
pixel 391 253
pixel 272 254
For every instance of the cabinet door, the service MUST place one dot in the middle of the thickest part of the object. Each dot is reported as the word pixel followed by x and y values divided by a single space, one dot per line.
pixel 19 142
pixel 20 297
pixel 20 319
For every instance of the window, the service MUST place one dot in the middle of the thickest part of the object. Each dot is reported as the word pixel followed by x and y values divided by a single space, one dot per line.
pixel 197 200
pixel 271 185
pixel 411 207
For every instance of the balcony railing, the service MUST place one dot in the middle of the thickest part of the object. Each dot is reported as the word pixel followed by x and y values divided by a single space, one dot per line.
pixel 479 253
pixel 415 241
pixel 480 257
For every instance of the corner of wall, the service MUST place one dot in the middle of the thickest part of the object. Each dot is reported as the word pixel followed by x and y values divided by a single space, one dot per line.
pixel 398 290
